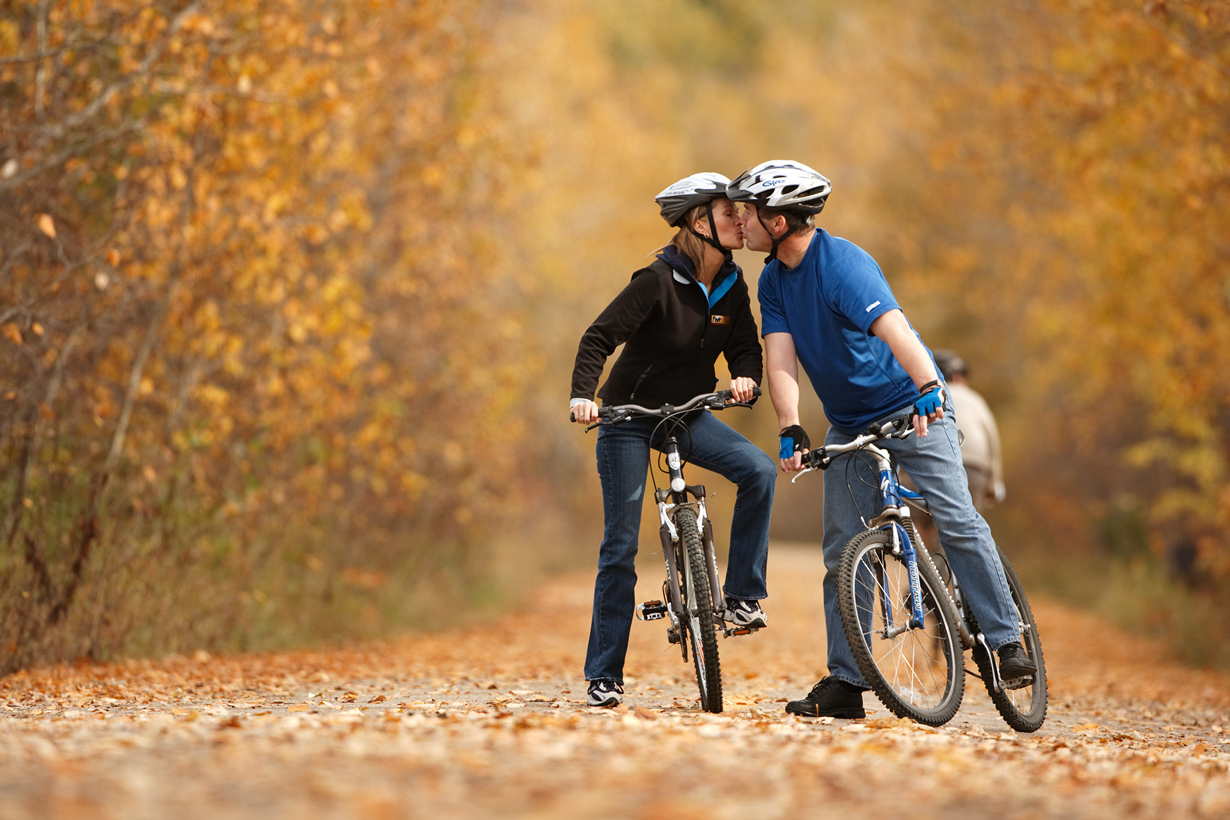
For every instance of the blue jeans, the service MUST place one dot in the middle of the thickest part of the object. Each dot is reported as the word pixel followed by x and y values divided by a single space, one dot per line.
pixel 852 497
pixel 623 460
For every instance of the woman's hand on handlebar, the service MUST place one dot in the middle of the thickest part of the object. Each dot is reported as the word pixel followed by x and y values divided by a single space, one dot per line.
pixel 742 389
pixel 584 412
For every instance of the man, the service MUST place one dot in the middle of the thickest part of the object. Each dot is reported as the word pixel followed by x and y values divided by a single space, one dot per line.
pixel 980 451
pixel 825 303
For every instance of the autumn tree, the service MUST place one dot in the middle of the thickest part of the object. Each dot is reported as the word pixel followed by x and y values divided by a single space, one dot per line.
pixel 1077 159
pixel 248 328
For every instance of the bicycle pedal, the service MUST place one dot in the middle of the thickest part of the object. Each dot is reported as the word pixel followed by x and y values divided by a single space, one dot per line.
pixel 651 611
pixel 1018 683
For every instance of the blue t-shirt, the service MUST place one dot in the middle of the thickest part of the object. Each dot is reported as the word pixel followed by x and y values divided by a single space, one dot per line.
pixel 827 304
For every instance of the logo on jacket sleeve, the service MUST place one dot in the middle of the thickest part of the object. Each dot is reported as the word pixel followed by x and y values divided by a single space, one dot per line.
pixel 719 320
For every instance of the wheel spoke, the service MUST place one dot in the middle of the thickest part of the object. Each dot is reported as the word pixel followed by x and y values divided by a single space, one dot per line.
pixel 916 671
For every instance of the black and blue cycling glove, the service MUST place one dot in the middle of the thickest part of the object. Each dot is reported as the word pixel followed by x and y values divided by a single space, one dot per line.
pixel 931 400
pixel 793 438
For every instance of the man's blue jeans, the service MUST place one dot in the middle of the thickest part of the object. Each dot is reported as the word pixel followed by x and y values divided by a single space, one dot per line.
pixel 852 497
pixel 623 460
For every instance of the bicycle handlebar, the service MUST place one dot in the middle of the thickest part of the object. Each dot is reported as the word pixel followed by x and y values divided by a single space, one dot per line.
pixel 821 457
pixel 619 413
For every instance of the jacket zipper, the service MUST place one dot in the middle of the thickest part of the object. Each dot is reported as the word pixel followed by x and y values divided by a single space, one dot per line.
pixel 639 379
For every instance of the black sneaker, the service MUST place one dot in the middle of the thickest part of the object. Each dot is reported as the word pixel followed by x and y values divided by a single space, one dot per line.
pixel 605 693
pixel 746 614
pixel 1014 663
pixel 830 698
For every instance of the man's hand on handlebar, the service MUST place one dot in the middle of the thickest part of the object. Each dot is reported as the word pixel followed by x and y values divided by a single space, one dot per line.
pixel 929 408
pixel 794 444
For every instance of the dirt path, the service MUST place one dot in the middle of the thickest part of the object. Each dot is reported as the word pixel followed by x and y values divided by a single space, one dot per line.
pixel 491 722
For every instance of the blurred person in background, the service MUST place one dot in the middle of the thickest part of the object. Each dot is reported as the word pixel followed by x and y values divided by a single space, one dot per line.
pixel 826 304
pixel 980 450
pixel 676 316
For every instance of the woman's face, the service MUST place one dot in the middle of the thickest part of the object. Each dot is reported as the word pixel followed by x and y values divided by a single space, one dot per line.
pixel 726 220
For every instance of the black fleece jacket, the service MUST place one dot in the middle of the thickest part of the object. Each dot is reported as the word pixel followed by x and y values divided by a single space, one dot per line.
pixel 671 337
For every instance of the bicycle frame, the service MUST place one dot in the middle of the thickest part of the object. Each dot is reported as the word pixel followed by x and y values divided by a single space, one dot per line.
pixel 669 499
pixel 893 511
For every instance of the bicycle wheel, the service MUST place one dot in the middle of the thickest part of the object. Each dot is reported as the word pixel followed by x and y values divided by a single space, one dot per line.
pixel 1024 706
pixel 700 621
pixel 916 672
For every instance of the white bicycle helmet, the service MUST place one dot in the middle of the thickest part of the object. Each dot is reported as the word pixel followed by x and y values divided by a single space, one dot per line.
pixel 782 183
pixel 687 193
pixel 698 189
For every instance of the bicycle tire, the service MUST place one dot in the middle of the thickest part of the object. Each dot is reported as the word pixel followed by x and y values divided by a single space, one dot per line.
pixel 917 673
pixel 700 622
pixel 1024 708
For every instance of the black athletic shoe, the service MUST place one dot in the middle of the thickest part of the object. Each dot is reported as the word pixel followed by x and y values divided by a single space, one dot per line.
pixel 830 698
pixel 605 693
pixel 746 614
pixel 1014 663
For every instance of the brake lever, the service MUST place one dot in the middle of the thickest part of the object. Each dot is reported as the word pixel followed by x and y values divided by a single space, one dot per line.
pixel 613 418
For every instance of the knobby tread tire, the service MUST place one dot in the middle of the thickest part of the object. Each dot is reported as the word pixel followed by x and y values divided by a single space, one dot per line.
pixel 1023 709
pixel 930 693
pixel 701 625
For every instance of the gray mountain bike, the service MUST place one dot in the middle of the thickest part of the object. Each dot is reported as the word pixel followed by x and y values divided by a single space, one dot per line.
pixel 692 600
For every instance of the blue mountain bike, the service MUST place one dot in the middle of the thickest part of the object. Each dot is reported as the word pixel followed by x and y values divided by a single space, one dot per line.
pixel 904 615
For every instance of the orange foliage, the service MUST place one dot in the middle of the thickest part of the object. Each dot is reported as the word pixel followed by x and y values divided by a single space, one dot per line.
pixel 246 229
pixel 297 284
pixel 1080 156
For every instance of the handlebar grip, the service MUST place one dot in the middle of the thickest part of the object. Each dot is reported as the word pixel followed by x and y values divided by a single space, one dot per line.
pixel 602 414
pixel 817 459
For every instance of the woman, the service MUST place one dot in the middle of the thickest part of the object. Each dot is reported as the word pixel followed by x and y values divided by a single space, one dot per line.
pixel 674 318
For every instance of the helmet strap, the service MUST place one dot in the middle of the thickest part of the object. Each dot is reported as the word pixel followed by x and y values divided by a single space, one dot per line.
pixel 712 239
pixel 776 240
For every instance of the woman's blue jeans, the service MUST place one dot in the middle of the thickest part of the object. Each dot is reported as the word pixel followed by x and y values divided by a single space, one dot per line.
pixel 623 460
pixel 852 498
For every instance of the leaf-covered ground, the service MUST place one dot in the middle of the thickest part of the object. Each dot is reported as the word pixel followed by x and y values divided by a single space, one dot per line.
pixel 490 721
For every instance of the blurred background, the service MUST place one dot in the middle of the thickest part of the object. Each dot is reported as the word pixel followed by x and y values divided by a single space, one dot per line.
pixel 290 290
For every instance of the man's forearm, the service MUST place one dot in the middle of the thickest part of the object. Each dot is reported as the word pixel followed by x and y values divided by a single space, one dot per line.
pixel 782 367
pixel 784 391
pixel 910 353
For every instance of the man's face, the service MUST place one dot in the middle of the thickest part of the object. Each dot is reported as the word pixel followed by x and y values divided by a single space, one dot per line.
pixel 754 233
